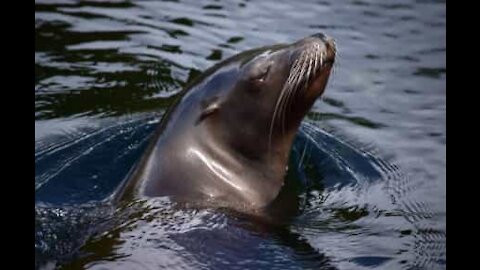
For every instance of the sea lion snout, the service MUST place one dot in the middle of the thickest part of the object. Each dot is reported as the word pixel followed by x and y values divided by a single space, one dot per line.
pixel 327 39
pixel 317 45
pixel 311 61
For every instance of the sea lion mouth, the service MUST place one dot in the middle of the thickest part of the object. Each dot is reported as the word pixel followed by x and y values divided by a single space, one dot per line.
pixel 312 67
pixel 313 61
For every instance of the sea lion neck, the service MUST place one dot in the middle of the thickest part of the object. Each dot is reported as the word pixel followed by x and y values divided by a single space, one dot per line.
pixel 257 180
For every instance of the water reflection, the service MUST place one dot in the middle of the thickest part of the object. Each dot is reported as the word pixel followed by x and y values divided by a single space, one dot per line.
pixel 106 70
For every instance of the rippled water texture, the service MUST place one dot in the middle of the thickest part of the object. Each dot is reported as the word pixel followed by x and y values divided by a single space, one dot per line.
pixel 366 181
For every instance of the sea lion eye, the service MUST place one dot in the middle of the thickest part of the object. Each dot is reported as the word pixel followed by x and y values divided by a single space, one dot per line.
pixel 262 73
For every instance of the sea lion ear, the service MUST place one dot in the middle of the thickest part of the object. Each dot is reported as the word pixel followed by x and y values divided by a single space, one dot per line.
pixel 209 107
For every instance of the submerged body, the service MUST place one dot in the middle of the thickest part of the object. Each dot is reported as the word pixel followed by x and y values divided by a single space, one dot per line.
pixel 227 139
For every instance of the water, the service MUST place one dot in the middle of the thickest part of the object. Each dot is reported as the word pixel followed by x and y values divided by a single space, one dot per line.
pixel 367 172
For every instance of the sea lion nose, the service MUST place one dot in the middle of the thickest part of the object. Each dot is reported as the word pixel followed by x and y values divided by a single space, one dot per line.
pixel 316 41
pixel 321 36
pixel 330 42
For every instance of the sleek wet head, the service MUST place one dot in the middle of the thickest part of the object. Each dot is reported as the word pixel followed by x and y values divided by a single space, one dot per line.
pixel 229 136
pixel 275 88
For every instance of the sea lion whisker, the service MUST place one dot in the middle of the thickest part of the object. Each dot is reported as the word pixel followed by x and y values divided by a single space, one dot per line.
pixel 292 76
pixel 298 73
pixel 277 105
pixel 302 75
pixel 287 90
pixel 272 121
pixel 306 71
pixel 321 59
pixel 309 70
pixel 292 87
pixel 305 146
pixel 316 58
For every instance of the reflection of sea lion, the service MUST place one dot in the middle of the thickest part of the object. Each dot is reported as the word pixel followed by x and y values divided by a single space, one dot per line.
pixel 228 138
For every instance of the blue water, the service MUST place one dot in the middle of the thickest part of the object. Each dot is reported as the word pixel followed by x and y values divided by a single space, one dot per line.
pixel 366 181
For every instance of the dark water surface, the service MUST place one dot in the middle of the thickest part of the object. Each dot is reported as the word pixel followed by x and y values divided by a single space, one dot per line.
pixel 367 169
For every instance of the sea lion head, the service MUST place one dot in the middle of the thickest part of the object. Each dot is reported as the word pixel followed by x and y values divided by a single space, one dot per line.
pixel 259 111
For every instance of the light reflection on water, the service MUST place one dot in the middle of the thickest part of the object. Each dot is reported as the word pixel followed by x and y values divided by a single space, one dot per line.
pixel 371 195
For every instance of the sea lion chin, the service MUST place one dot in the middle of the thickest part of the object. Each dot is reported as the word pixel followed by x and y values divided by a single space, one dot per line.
pixel 227 139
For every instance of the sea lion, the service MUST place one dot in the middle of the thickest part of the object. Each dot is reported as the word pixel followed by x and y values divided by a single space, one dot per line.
pixel 227 139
